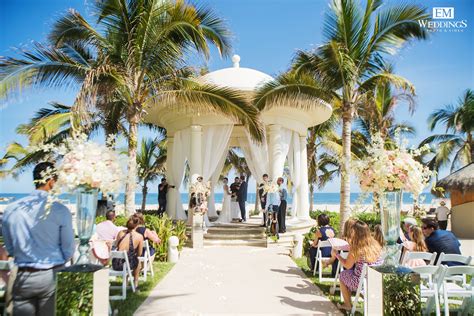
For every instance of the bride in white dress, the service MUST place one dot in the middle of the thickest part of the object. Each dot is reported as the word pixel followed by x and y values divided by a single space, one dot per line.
pixel 225 216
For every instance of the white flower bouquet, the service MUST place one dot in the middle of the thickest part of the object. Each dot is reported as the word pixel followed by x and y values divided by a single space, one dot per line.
pixel 391 170
pixel 83 163
pixel 270 187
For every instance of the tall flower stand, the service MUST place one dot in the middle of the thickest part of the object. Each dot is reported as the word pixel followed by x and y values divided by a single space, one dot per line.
pixel 392 292
pixel 197 232
pixel 84 292
pixel 392 289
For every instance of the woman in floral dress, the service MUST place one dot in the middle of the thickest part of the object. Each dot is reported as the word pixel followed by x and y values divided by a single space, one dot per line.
pixel 364 249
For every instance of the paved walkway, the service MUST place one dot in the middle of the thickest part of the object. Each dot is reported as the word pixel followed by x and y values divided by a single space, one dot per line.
pixel 236 280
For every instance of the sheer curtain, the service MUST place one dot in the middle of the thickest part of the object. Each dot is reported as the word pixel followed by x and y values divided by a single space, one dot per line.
pixel 214 179
pixel 294 164
pixel 175 162
pixel 256 156
pixel 215 144
pixel 279 146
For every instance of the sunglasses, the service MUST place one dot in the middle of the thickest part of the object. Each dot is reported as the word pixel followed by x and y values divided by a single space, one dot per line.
pixel 424 227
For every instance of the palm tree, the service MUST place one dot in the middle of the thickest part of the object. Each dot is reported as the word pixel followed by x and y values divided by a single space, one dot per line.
pixel 377 115
pixel 351 62
pixel 456 146
pixel 133 57
pixel 151 160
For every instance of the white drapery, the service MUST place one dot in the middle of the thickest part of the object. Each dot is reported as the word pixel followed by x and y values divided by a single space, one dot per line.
pixel 280 139
pixel 294 164
pixel 256 156
pixel 215 143
pixel 177 154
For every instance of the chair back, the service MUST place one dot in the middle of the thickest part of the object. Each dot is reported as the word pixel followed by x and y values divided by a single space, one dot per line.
pixel 431 275
pixel 445 257
pixel 413 255
pixel 323 244
pixel 114 254
pixel 460 270
pixel 6 265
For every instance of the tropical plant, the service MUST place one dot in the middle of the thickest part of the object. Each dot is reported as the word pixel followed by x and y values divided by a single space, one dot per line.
pixel 134 57
pixel 151 159
pixel 377 115
pixel 350 64
pixel 456 146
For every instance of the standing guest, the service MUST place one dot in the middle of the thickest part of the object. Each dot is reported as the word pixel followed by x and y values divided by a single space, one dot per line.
pixel 440 240
pixel 416 243
pixel 263 198
pixel 162 191
pixel 107 230
pixel 234 203
pixel 242 197
pixel 39 236
pixel 146 233
pixel 364 249
pixel 442 212
pixel 324 232
pixel 132 242
pixel 283 204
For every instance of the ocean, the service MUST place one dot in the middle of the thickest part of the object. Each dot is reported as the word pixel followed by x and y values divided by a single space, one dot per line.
pixel 318 198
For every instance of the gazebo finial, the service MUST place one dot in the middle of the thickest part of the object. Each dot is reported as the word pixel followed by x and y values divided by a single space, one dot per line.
pixel 236 60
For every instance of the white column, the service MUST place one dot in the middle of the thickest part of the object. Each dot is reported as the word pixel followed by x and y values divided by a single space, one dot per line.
pixel 274 150
pixel 195 159
pixel 171 195
pixel 304 189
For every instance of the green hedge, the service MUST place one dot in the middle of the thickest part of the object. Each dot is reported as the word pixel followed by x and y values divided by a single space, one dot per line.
pixel 164 226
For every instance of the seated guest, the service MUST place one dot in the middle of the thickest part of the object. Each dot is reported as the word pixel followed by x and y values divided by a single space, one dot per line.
pixel 415 244
pixel 132 242
pixel 324 232
pixel 107 230
pixel 439 241
pixel 405 231
pixel 147 233
pixel 364 249
pixel 378 235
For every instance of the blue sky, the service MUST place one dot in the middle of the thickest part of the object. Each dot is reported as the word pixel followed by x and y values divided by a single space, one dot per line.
pixel 266 34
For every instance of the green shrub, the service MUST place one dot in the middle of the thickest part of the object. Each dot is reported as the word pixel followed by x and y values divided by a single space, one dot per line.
pixel 74 294
pixel 164 227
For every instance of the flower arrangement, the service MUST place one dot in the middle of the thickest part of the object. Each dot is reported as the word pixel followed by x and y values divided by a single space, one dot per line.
pixel 270 187
pixel 391 170
pixel 83 163
pixel 200 188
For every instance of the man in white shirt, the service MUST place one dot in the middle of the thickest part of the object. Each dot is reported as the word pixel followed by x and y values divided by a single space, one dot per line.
pixel 442 213
pixel 107 230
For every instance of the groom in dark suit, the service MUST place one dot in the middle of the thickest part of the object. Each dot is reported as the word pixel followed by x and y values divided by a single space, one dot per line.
pixel 242 197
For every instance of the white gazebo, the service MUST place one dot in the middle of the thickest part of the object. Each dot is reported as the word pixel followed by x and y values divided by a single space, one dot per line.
pixel 203 140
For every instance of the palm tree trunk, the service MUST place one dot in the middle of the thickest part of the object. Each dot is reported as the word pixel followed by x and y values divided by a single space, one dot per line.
pixel 132 165
pixel 344 209
pixel 257 198
pixel 311 194
pixel 144 194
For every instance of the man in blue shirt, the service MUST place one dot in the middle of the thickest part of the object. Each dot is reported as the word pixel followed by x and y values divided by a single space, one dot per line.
pixel 282 208
pixel 439 241
pixel 39 236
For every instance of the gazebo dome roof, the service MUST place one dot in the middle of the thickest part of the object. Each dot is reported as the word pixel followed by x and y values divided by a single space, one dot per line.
pixel 243 79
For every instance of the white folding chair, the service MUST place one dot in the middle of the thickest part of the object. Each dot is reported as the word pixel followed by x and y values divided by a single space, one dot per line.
pixel 339 269
pixel 415 255
pixel 147 260
pixel 318 262
pixel 431 282
pixel 124 274
pixel 453 288
pixel 361 291
pixel 448 257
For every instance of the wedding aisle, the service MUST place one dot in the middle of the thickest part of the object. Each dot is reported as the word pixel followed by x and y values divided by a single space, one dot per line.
pixel 236 280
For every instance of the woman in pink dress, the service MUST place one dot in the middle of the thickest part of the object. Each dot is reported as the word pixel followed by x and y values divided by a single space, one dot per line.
pixel 364 249
pixel 416 244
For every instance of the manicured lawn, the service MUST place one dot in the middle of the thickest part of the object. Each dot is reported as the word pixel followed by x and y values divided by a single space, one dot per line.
pixel 133 301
